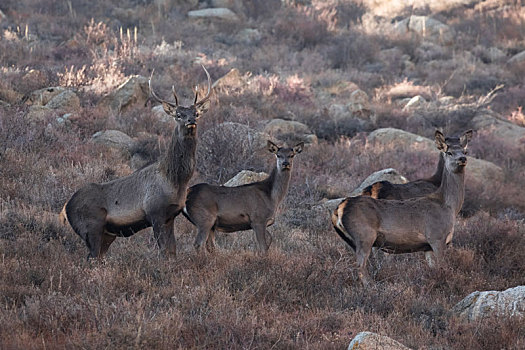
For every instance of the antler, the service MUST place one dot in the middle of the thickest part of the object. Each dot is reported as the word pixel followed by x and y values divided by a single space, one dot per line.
pixel 206 98
pixel 157 97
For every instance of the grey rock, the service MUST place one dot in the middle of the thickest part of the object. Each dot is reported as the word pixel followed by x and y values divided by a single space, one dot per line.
pixel 133 91
pixel 219 13
pixel 374 341
pixel 288 129
pixel 113 138
pixel 65 100
pixel 389 174
pixel 479 305
pixel 41 97
pixel 517 58
pixel 415 102
pixel 426 27
pixel 245 177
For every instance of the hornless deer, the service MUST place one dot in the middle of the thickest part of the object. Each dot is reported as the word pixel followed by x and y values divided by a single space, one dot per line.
pixel 417 188
pixel 250 206
pixel 410 225
pixel 151 196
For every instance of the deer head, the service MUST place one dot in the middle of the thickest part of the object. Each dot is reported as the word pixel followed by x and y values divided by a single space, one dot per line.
pixel 186 117
pixel 454 150
pixel 285 154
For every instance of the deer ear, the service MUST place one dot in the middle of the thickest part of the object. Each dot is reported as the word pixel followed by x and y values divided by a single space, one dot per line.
pixel 465 138
pixel 299 147
pixel 440 141
pixel 169 109
pixel 204 107
pixel 272 147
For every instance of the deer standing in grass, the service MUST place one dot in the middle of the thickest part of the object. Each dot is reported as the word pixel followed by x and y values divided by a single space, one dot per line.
pixel 416 188
pixel 410 225
pixel 250 206
pixel 152 196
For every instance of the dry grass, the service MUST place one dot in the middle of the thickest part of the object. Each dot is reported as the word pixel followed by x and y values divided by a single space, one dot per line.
pixel 305 293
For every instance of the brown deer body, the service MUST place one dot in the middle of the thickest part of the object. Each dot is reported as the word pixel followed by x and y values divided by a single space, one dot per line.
pixel 410 225
pixel 417 188
pixel 250 206
pixel 149 197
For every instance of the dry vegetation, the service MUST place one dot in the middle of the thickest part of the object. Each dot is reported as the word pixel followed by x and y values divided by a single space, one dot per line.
pixel 305 293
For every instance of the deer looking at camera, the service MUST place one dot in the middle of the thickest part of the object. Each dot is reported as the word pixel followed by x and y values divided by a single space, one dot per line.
pixel 250 206
pixel 416 188
pixel 410 225
pixel 151 196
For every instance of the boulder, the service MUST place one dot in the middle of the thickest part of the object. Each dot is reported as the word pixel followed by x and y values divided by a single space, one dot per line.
pixel 248 36
pixel 38 113
pixel 389 174
pixel 286 130
pixel 426 27
pixel 250 138
pixel 330 204
pixel 158 112
pixel 480 170
pixel 65 100
pixel 245 177
pixel 219 13
pixel 359 103
pixel 512 134
pixel 374 341
pixel 414 102
pixel 230 82
pixel 518 58
pixel 479 305
pixel 133 91
pixel 41 97
pixel 113 138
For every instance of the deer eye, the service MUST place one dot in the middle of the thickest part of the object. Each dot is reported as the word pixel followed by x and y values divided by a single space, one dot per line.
pixel 448 153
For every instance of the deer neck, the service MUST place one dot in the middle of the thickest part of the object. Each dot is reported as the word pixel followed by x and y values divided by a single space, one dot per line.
pixel 178 162
pixel 279 181
pixel 452 189
pixel 438 175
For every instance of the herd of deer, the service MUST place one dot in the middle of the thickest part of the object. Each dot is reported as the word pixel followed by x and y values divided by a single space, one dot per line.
pixel 412 217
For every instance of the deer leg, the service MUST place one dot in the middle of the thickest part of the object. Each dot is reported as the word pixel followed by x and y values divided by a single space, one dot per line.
pixel 204 233
pixel 363 250
pixel 260 234
pixel 107 239
pixel 436 255
pixel 210 242
pixel 165 237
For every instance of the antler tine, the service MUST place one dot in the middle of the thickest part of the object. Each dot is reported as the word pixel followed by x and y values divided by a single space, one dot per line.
pixel 155 95
pixel 196 94
pixel 209 89
pixel 175 95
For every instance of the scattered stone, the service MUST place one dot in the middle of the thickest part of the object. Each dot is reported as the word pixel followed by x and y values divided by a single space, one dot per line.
pixel 517 58
pixel 230 82
pixel 219 13
pixel 245 177
pixel 65 100
pixel 389 174
pixel 426 27
pixel 251 138
pixel 374 341
pixel 133 91
pixel 248 36
pixel 512 134
pixel 42 97
pixel 286 130
pixel 414 102
pixel 64 120
pixel 359 103
pixel 158 112
pixel 114 139
pixel 479 305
